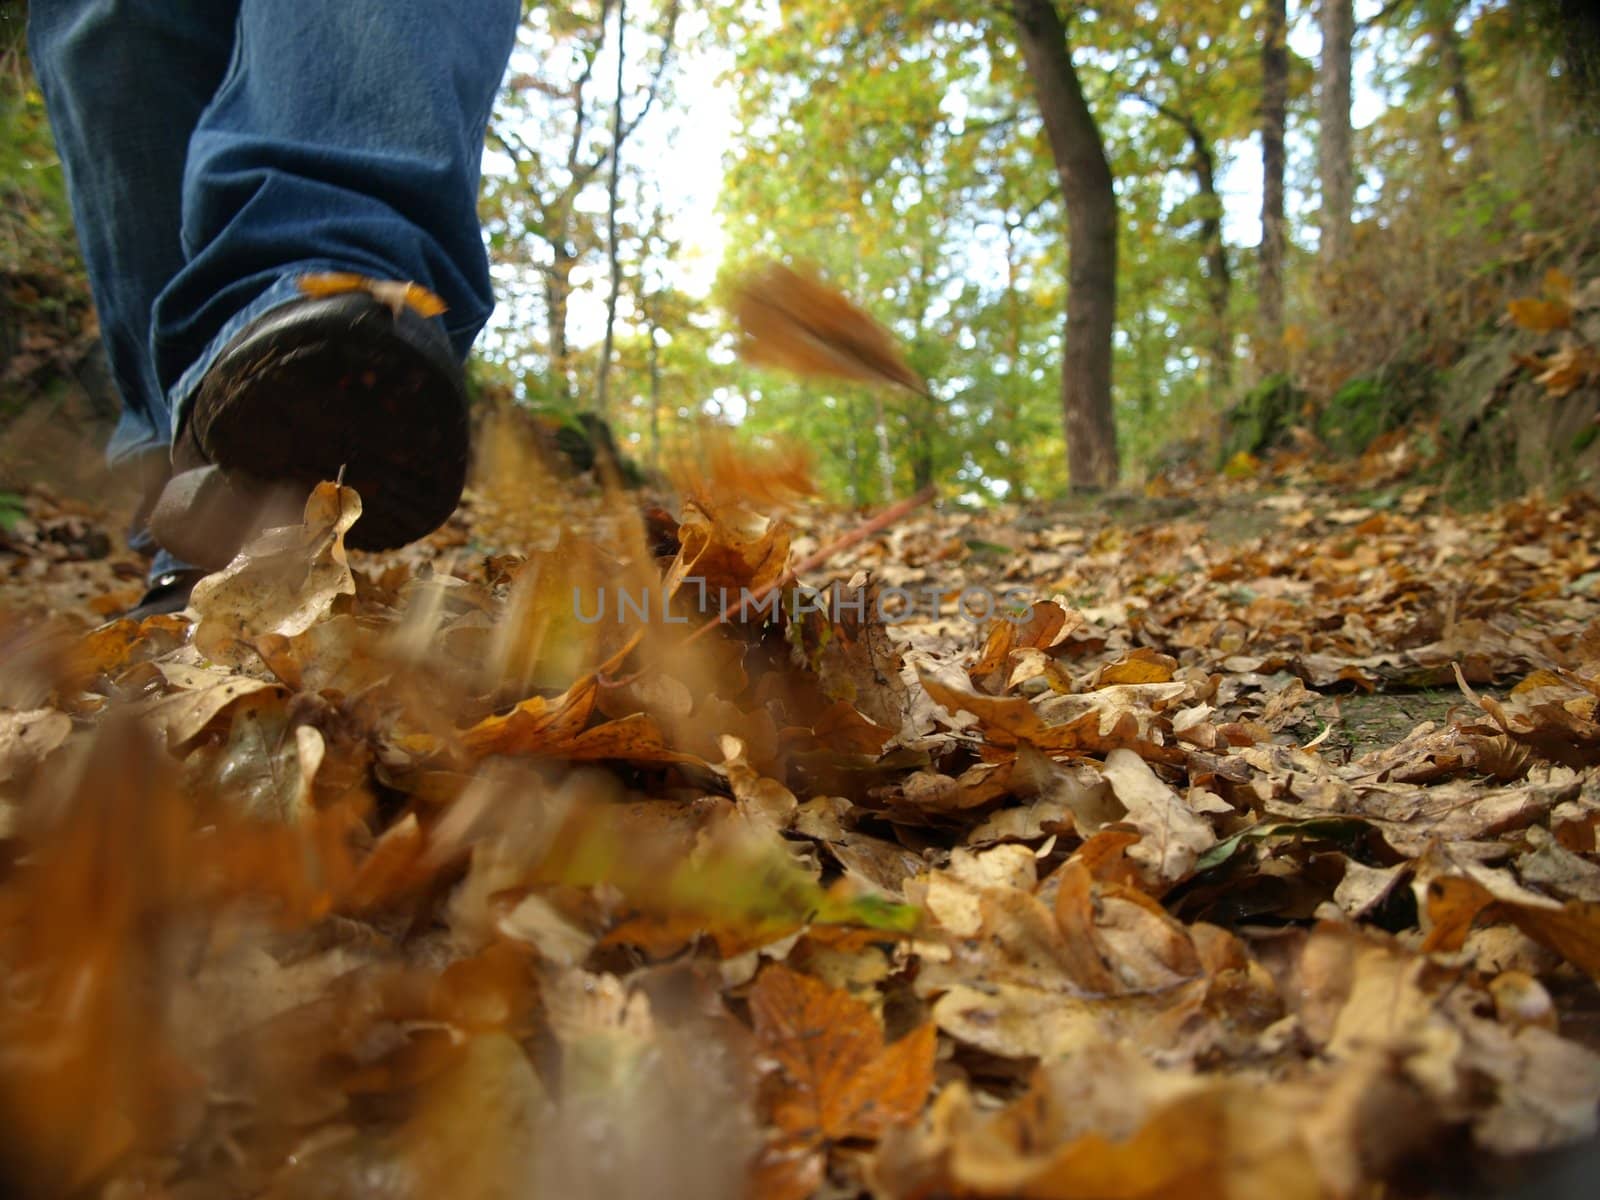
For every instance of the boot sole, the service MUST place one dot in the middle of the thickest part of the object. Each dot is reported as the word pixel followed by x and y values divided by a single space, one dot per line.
pixel 343 383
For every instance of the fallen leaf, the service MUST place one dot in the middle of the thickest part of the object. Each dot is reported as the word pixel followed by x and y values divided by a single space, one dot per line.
pixel 281 582
pixel 836 1078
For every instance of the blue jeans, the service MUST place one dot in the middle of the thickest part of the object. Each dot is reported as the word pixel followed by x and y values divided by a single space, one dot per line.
pixel 215 151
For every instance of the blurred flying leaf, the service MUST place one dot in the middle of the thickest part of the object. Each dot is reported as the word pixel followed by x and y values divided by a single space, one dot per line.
pixel 715 465
pixel 1564 371
pixel 798 323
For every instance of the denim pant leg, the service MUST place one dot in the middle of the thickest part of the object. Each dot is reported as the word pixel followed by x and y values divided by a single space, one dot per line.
pixel 346 135
pixel 125 82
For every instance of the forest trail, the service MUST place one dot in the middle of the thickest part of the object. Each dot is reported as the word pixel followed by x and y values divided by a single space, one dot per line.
pixel 1265 809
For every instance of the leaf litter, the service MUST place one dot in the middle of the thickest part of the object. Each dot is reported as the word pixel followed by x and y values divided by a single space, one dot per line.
pixel 399 876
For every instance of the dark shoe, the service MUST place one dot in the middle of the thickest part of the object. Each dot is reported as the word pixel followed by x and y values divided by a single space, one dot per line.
pixel 314 387
pixel 168 593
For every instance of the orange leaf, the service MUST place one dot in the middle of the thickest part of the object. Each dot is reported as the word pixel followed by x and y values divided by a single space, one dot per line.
pixel 796 322
pixel 1558 284
pixel 1039 628
pixel 716 463
pixel 1138 666
pixel 395 294
pixel 1541 316
pixel 395 866
pixel 838 1080
pixel 1568 369
pixel 1572 930
pixel 787 1169
pixel 1083 963
pixel 636 738
pixel 536 726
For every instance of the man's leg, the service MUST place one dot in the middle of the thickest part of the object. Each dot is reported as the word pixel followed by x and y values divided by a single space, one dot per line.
pixel 125 82
pixel 345 137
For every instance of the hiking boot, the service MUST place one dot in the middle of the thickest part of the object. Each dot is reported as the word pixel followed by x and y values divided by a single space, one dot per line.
pixel 167 593
pixel 312 388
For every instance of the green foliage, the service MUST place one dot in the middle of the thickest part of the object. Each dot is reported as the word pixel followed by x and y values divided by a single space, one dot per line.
pixel 1471 176
pixel 12 509
pixel 1363 409
pixel 1262 417
pixel 1357 413
pixel 936 182
pixel 46 316
pixel 35 222
pixel 895 145
pixel 932 177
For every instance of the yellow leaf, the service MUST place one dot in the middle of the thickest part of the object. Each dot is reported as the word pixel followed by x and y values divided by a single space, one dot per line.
pixel 1541 316
pixel 1242 465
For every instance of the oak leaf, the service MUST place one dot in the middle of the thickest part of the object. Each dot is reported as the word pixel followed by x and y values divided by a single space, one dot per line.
pixel 836 1078
pixel 282 581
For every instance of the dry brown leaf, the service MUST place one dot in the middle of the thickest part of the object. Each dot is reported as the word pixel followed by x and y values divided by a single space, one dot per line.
pixel 796 322
pixel 1141 666
pixel 538 725
pixel 715 465
pixel 281 582
pixel 836 1078
pixel 1572 929
pixel 27 738
pixel 205 694
pixel 1540 316
pixel 1172 837
pixel 1104 1123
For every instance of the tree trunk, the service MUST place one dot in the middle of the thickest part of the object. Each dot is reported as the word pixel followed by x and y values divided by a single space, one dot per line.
pixel 853 454
pixel 1010 409
pixel 1219 282
pixel 1274 118
pixel 1213 250
pixel 923 410
pixel 880 426
pixel 1085 175
pixel 557 294
pixel 1440 16
pixel 603 385
pixel 653 315
pixel 1334 166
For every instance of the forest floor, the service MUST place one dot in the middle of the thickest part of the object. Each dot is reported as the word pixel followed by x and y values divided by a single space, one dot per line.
pixel 1247 847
